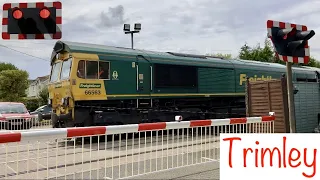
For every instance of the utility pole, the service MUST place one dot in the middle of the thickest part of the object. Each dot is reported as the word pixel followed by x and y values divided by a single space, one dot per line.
pixel 131 40
pixel 292 119
pixel 137 29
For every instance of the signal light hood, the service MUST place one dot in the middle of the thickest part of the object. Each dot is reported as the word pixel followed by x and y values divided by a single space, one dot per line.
pixel 305 35
pixel 283 33
pixel 293 46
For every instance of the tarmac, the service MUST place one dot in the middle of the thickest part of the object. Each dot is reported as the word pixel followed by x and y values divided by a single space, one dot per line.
pixel 207 170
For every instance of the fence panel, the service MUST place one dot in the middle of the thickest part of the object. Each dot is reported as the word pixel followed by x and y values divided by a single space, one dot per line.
pixel 115 152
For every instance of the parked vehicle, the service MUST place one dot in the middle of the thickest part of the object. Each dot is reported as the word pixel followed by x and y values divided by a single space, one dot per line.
pixel 14 116
pixel 43 112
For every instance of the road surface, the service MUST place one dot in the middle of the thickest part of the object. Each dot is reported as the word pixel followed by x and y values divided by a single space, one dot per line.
pixel 207 170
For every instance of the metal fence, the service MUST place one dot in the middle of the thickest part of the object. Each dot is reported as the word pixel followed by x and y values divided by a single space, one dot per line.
pixel 115 152
pixel 23 123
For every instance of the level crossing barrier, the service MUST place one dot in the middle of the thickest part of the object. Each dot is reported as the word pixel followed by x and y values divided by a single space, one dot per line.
pixel 25 122
pixel 120 151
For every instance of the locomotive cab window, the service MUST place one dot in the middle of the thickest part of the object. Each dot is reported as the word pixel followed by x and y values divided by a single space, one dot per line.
pixel 93 70
pixel 65 71
pixel 55 72
pixel 81 69
pixel 175 76
pixel 104 68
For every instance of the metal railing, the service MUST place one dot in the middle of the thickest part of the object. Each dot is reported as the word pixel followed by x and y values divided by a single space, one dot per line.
pixel 115 152
pixel 23 123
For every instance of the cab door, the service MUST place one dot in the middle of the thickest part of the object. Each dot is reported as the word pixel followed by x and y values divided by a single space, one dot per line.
pixel 143 76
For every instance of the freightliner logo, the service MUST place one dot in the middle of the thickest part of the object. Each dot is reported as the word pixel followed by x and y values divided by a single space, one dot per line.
pixel 89 85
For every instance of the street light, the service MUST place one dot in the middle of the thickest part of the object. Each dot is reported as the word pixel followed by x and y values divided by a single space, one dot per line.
pixel 137 29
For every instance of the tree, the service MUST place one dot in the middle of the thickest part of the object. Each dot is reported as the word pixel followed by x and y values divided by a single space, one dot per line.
pixel 43 96
pixel 31 103
pixel 7 66
pixel 245 52
pixel 258 53
pixel 313 62
pixel 13 85
pixel 220 55
pixel 267 54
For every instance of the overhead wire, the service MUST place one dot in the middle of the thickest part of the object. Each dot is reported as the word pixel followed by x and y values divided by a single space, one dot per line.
pixel 24 53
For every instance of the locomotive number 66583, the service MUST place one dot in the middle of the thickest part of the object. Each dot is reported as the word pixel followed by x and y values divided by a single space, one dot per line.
pixel 92 92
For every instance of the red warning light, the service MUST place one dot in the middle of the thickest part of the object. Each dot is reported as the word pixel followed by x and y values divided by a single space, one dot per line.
pixel 44 13
pixel 17 14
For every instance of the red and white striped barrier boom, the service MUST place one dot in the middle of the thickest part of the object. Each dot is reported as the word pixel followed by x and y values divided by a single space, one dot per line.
pixel 60 133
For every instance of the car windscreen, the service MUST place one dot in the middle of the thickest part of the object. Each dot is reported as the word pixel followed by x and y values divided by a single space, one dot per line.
pixel 12 109
pixel 39 108
pixel 44 108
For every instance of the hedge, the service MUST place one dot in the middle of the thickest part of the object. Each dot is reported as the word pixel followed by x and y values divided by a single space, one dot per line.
pixel 32 104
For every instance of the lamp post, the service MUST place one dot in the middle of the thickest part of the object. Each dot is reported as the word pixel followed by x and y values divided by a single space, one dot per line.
pixel 137 29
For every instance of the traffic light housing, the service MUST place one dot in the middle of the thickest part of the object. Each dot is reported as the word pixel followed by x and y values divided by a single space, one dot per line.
pixel 32 20
pixel 290 41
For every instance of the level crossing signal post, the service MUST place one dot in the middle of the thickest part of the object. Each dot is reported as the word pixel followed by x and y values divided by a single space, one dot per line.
pixel 290 42
pixel 37 20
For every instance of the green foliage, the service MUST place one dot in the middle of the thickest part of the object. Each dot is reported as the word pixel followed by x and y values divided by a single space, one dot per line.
pixel 245 52
pixel 220 55
pixel 264 54
pixel 257 53
pixel 313 62
pixel 7 66
pixel 13 82
pixel 43 96
pixel 31 104
pixel 13 85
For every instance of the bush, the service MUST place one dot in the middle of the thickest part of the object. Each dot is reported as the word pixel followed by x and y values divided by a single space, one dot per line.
pixel 32 104
pixel 43 96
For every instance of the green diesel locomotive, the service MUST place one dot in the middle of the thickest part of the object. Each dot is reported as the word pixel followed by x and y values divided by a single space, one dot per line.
pixel 146 86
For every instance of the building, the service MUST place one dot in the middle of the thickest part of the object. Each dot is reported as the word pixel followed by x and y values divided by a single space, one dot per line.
pixel 36 85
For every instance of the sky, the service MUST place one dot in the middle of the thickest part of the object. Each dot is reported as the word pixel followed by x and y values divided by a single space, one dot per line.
pixel 189 26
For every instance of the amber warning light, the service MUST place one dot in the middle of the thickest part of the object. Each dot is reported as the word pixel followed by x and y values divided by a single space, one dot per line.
pixel 37 20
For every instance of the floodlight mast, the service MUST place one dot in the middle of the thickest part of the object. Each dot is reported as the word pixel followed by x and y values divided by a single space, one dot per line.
pixel 137 29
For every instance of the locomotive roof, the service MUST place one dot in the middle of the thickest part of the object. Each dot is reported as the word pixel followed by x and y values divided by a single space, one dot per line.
pixel 170 57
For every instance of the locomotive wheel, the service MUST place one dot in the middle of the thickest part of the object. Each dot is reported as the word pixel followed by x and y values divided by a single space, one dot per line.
pixel 54 119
